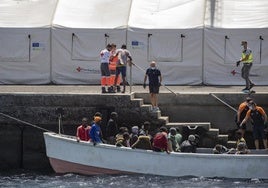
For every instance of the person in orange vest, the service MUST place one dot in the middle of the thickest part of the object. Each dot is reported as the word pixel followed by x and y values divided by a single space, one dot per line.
pixel 241 114
pixel 112 68
pixel 259 119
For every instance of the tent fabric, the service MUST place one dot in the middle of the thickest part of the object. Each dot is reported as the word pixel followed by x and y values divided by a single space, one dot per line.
pixel 236 14
pixel 192 41
pixel 106 14
pixel 26 13
pixel 167 14
pixel 25 51
pixel 176 56
pixel 81 29
pixel 71 67
pixel 226 24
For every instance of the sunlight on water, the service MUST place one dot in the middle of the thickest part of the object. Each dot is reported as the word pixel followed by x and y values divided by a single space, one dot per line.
pixel 37 180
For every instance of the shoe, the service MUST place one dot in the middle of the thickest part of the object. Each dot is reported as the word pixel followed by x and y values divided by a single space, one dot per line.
pixel 118 89
pixel 251 86
pixel 245 89
pixel 103 90
pixel 111 90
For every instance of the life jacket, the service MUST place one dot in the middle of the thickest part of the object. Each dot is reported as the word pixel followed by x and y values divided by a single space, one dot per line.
pixel 256 117
pixel 113 62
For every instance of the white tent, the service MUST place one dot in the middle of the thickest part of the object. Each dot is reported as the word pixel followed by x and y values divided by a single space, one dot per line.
pixel 193 41
pixel 227 23
pixel 169 33
pixel 81 29
pixel 25 41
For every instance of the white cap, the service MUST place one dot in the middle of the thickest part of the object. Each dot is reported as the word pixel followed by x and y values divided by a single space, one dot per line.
pixel 191 138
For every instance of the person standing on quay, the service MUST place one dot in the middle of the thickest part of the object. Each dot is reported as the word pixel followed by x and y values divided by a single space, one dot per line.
pixel 247 60
pixel 241 114
pixel 105 72
pixel 155 79
pixel 123 55
pixel 259 119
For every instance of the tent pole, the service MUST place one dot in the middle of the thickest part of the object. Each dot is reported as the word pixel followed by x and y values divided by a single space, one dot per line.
pixel 182 36
pixel 261 39
pixel 225 47
pixel 30 41
pixel 148 47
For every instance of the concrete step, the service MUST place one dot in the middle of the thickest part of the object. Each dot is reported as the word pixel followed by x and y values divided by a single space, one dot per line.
pixel 138 101
pixel 213 133
pixel 180 125
pixel 231 144
pixel 223 139
pixel 164 119
pixel 146 108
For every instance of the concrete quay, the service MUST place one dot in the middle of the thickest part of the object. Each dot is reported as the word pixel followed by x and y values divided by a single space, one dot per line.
pixel 23 145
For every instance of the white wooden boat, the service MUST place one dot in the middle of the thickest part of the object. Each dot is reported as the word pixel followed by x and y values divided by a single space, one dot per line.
pixel 67 155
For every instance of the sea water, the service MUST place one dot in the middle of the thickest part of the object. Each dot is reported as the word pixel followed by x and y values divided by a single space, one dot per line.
pixel 30 179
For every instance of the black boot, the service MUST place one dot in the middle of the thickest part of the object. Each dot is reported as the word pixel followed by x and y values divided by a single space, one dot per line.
pixel 111 90
pixel 118 89
pixel 103 90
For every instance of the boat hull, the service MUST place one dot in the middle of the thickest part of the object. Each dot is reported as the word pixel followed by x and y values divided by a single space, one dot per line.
pixel 61 166
pixel 68 155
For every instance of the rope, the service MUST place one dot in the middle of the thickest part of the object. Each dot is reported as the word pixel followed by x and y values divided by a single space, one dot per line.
pixel 223 102
pixel 24 122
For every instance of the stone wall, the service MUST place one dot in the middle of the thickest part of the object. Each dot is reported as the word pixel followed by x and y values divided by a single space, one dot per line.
pixel 22 146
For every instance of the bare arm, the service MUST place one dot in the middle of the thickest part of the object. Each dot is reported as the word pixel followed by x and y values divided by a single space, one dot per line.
pixel 160 78
pixel 145 78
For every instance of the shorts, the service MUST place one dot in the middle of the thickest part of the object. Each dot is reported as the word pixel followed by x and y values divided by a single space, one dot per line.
pixel 122 70
pixel 105 69
pixel 153 89
pixel 112 72
pixel 258 132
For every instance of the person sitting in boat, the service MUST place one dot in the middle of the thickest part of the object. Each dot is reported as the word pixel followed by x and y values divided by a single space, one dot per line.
pixel 134 134
pixel 143 142
pixel 190 145
pixel 242 149
pixel 123 141
pixel 174 139
pixel 160 141
pixel 95 131
pixel 112 128
pixel 97 114
pixel 82 131
pixel 220 149
pixel 240 138
pixel 119 135
pixel 145 129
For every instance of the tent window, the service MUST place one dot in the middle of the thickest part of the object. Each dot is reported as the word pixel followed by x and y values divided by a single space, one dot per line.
pixel 232 50
pixel 165 48
pixel 86 47
pixel 15 48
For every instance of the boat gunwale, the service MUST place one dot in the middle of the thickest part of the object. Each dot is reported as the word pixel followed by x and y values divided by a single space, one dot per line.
pixel 72 139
